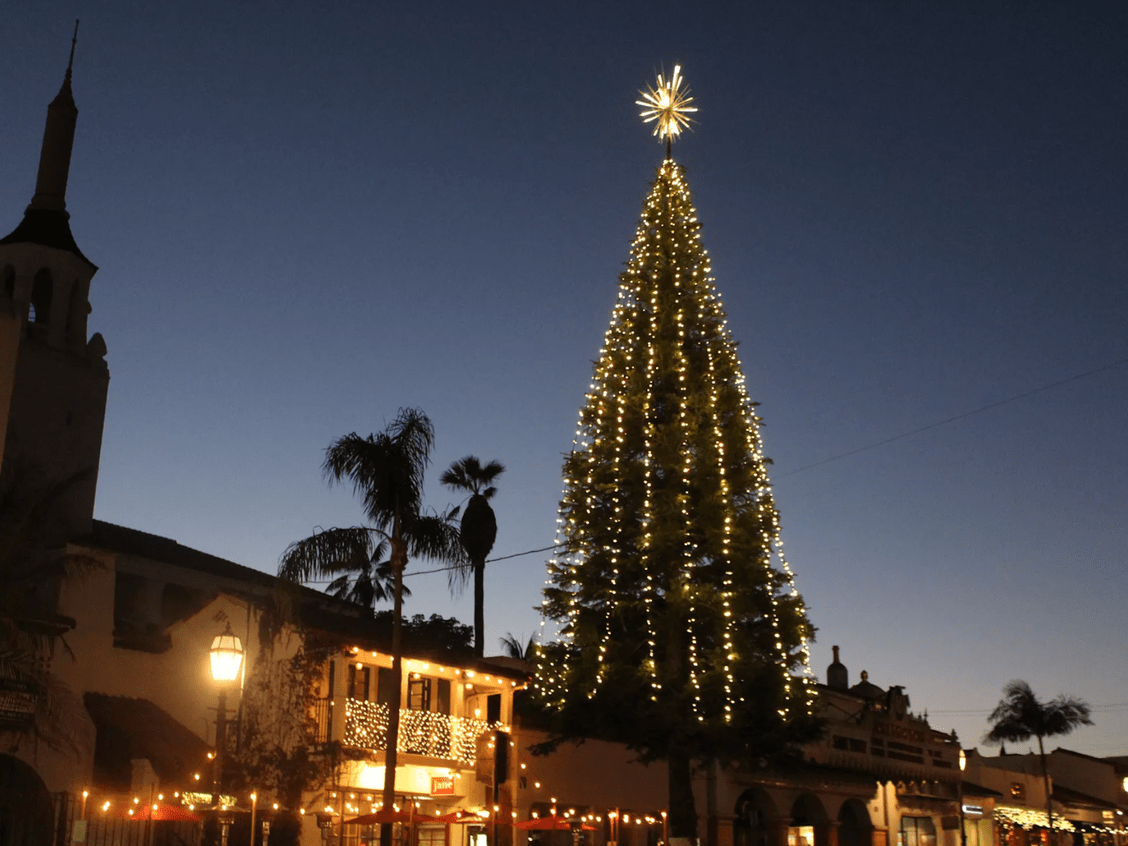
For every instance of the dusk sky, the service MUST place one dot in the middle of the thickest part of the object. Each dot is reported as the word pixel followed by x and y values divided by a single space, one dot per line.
pixel 306 218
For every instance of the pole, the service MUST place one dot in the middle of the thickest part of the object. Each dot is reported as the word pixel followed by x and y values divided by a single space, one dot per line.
pixel 254 807
pixel 220 742
pixel 963 826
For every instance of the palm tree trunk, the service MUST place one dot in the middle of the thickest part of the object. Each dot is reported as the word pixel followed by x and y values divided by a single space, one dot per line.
pixel 479 610
pixel 1046 785
pixel 391 740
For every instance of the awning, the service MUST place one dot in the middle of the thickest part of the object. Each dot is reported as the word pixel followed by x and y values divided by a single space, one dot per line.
pixel 129 728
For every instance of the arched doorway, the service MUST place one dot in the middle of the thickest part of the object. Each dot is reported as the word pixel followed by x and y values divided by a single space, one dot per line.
pixel 752 816
pixel 854 825
pixel 808 822
pixel 27 813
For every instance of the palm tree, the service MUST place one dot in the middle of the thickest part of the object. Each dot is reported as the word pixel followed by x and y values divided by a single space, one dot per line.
pixel 514 648
pixel 1020 715
pixel 368 582
pixel 386 471
pixel 478 530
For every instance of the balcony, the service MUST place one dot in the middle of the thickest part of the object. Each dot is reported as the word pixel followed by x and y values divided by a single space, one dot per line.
pixel 426 733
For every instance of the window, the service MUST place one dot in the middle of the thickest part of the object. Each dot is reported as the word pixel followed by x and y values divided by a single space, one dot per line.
pixel 419 693
pixel 917 831
pixel 359 679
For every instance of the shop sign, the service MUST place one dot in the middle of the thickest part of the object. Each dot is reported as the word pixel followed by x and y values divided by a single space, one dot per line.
pixel 442 785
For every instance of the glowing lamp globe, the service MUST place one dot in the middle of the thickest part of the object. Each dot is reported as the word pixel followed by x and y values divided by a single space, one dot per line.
pixel 226 656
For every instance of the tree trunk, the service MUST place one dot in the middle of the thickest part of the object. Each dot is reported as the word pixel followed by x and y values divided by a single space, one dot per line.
pixel 1046 786
pixel 683 811
pixel 479 609
pixel 391 739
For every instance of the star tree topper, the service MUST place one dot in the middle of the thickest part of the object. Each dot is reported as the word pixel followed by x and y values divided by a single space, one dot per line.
pixel 667 104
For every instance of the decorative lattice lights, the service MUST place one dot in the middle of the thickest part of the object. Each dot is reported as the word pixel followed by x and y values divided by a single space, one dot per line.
pixel 420 732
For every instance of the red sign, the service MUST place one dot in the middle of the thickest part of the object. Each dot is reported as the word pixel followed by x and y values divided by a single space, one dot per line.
pixel 442 785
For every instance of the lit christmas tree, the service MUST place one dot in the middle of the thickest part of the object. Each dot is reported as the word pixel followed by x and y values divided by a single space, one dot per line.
pixel 683 633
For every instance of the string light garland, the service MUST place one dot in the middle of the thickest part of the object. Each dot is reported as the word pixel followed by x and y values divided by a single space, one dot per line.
pixel 670 570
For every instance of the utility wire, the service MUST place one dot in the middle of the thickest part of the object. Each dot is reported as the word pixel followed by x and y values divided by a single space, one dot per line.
pixel 488 561
pixel 876 444
pixel 1109 707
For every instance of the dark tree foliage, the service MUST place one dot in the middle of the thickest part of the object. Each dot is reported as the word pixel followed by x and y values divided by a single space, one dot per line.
pixel 33 565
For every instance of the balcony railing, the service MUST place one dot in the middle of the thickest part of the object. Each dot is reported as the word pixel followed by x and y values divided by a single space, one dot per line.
pixel 420 732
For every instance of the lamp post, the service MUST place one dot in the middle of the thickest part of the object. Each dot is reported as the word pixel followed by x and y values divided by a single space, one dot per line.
pixel 226 660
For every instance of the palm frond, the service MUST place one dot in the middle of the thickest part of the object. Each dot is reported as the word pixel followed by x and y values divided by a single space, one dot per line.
pixel 330 553
pixel 386 469
pixel 469 474
pixel 1021 715
pixel 515 648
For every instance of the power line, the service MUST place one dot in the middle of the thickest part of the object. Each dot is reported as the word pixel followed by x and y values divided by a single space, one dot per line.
pixel 1109 707
pixel 955 418
pixel 448 568
pixel 488 561
pixel 866 448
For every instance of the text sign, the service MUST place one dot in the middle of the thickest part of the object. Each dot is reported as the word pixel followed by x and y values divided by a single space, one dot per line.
pixel 442 785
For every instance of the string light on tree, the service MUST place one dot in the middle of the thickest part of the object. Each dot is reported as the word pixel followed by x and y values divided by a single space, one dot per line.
pixel 682 630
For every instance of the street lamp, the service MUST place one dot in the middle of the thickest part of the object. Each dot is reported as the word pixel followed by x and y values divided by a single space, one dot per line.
pixel 226 660
pixel 963 826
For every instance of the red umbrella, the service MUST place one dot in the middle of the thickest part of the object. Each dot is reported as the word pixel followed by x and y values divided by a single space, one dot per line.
pixel 453 817
pixel 161 812
pixel 381 817
pixel 551 824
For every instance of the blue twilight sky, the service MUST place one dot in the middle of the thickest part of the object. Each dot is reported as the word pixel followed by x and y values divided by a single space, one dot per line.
pixel 309 215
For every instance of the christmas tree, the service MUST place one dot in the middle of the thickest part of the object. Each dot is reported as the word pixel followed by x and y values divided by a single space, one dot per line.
pixel 683 634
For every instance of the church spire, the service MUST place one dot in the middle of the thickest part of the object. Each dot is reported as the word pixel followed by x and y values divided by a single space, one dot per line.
pixel 46 221
pixel 58 141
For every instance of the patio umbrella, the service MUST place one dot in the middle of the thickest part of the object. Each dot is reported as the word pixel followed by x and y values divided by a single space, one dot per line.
pixel 380 817
pixel 453 817
pixel 160 812
pixel 551 824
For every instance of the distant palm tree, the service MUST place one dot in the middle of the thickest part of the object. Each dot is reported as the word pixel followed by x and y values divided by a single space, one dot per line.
pixel 478 530
pixel 515 649
pixel 1020 715
pixel 386 471
pixel 368 582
